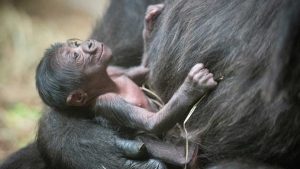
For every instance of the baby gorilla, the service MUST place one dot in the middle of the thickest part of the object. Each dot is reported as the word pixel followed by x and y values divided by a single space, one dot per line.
pixel 76 79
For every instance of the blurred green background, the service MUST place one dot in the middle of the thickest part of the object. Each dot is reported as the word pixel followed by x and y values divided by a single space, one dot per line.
pixel 27 28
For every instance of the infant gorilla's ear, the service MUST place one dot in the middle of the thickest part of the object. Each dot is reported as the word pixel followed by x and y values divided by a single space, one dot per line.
pixel 77 98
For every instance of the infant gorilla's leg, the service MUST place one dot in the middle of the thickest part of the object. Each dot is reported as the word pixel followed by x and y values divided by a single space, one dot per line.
pixel 153 11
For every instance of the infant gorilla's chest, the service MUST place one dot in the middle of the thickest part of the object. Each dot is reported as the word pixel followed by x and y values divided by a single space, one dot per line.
pixel 133 94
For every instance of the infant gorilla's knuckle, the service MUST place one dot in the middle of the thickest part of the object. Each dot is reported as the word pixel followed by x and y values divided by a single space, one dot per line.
pixel 200 64
pixel 150 7
pixel 196 79
pixel 205 71
pixel 190 74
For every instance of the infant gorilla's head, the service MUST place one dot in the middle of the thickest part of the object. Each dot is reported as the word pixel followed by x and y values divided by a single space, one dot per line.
pixel 68 71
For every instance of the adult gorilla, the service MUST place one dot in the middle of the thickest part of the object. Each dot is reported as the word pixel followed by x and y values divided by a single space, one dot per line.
pixel 254 113
pixel 127 42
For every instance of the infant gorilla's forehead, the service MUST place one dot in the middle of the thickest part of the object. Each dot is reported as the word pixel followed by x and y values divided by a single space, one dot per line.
pixel 64 55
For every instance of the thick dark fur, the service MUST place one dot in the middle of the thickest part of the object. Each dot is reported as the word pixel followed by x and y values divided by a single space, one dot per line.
pixel 26 158
pixel 121 29
pixel 77 142
pixel 240 164
pixel 254 111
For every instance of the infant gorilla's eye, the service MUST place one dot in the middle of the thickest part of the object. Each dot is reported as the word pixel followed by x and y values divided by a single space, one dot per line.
pixel 76 43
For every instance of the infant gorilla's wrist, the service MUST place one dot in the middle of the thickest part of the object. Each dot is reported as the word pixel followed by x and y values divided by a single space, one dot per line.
pixel 187 92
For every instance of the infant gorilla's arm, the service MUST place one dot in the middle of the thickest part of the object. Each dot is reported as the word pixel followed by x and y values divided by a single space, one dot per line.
pixel 116 109
pixel 138 74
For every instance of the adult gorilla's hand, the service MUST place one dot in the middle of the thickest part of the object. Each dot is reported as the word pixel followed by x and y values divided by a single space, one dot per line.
pixel 135 151
pixel 149 164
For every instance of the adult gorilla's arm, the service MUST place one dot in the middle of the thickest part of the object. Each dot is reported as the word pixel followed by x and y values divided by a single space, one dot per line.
pixel 27 157
pixel 76 143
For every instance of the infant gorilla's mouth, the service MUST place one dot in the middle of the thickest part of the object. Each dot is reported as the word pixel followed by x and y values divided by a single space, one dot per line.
pixel 100 53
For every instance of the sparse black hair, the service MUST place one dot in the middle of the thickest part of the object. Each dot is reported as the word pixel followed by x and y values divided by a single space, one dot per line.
pixel 55 82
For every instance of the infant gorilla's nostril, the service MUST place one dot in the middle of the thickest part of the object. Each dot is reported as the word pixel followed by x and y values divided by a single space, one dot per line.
pixel 90 44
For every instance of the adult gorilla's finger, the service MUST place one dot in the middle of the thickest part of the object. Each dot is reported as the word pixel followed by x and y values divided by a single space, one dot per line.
pixel 150 164
pixel 132 148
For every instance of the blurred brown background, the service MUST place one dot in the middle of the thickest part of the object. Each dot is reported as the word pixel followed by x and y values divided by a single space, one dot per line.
pixel 27 28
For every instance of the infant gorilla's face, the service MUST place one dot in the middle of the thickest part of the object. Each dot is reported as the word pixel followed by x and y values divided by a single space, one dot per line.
pixel 89 56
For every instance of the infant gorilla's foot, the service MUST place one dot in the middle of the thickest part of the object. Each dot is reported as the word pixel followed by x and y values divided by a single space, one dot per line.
pixel 153 11
pixel 199 79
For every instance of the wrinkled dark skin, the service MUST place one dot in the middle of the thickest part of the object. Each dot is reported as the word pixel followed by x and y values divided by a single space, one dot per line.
pixel 254 45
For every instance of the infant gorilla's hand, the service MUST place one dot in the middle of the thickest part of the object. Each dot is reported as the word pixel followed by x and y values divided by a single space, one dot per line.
pixel 199 79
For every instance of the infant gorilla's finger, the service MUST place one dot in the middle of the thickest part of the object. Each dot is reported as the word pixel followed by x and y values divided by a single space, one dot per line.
pixel 207 79
pixel 212 82
pixel 149 16
pixel 200 75
pixel 205 71
pixel 153 11
pixel 157 7
pixel 195 69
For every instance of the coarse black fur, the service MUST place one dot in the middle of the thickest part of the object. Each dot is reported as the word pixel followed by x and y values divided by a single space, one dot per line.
pixel 26 158
pixel 121 29
pixel 254 44
pixel 240 164
pixel 74 142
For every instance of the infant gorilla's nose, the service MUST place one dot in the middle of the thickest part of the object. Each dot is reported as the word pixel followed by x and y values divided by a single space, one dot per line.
pixel 89 46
